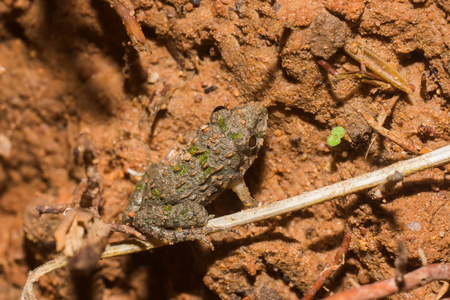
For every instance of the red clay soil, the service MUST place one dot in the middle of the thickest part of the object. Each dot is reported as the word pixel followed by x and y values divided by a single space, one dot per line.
pixel 66 67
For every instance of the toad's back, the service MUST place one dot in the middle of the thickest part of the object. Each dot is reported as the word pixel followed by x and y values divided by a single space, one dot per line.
pixel 220 154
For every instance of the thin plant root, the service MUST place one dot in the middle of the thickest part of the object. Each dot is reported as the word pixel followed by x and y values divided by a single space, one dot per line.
pixel 443 290
pixel 331 267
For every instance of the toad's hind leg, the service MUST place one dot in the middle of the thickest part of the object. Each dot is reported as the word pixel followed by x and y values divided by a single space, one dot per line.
pixel 182 215
pixel 154 219
pixel 181 235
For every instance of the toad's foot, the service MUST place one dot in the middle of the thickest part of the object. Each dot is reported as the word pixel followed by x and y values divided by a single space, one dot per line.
pixel 129 230
pixel 172 236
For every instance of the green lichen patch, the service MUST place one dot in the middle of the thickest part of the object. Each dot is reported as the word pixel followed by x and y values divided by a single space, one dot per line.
pixel 156 193
pixel 139 187
pixel 236 137
pixel 203 157
pixel 184 212
pixel 207 171
pixel 167 209
pixel 193 149
pixel 180 170
pixel 222 125
pixel 182 188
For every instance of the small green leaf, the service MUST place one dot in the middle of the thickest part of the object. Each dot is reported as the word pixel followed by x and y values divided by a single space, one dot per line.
pixel 339 131
pixel 333 140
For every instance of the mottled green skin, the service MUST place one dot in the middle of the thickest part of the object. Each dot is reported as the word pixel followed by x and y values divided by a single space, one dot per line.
pixel 173 194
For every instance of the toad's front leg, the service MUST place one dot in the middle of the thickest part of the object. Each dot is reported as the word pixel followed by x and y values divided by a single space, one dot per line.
pixel 135 200
pixel 241 190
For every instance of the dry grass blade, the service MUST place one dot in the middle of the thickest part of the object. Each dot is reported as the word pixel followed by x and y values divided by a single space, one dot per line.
pixel 369 180
pixel 377 65
pixel 33 276
pixel 396 138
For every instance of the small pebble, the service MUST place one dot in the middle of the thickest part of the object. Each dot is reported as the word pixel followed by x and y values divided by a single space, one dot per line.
pixel 276 7
pixel 189 7
pixel 198 99
pixel 5 146
pixel 414 226
pixel 154 76
pixel 181 139
pixel 195 2
pixel 210 89
pixel 213 52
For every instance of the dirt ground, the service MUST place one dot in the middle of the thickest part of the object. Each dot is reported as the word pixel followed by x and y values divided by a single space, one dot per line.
pixel 66 67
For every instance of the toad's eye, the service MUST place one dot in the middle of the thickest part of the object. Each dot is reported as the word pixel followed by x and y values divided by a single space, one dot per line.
pixel 219 108
pixel 252 142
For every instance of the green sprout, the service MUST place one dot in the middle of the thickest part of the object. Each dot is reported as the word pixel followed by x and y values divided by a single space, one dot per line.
pixel 337 133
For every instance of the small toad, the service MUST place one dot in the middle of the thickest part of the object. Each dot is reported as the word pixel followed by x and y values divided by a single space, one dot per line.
pixel 169 200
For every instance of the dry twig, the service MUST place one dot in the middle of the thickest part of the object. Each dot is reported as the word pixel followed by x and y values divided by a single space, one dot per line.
pixel 52 209
pixel 414 279
pixel 387 109
pixel 132 27
pixel 399 140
